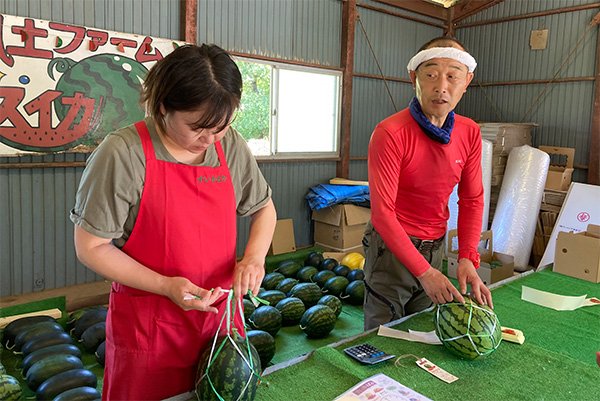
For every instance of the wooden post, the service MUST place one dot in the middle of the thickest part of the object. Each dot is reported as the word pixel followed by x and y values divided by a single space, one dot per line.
pixel 594 163
pixel 191 21
pixel 349 16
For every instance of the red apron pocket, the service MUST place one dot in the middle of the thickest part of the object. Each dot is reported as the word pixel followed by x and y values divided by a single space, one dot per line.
pixel 130 321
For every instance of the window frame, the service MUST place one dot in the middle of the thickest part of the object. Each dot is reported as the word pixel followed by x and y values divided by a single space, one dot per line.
pixel 276 66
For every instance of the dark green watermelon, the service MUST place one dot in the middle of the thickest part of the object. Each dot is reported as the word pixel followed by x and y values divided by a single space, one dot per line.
pixel 309 293
pixel 335 286
pixel 313 259
pixel 249 308
pixel 306 273
pixel 286 285
pixel 318 321
pixel 354 293
pixel 288 268
pixel 271 280
pixel 321 277
pixel 333 302
pixel 328 264
pixel 266 318
pixel 357 274
pixel 264 344
pixel 272 296
pixel 291 310
pixel 229 375
pixel 341 270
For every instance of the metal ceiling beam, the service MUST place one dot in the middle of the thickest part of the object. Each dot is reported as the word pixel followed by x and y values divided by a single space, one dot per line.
pixel 419 7
pixel 466 9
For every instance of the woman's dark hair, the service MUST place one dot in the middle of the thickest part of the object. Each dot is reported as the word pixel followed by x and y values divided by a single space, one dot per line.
pixel 191 77
pixel 444 41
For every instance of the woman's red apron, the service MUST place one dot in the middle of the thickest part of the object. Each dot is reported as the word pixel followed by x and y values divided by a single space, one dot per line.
pixel 186 226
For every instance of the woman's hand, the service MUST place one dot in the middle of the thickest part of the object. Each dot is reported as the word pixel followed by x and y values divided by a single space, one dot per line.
pixel 248 275
pixel 189 296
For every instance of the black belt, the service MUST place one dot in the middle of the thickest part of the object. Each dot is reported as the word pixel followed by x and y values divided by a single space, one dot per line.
pixel 427 245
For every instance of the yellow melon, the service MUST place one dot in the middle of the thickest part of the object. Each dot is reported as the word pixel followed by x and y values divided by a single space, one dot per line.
pixel 353 260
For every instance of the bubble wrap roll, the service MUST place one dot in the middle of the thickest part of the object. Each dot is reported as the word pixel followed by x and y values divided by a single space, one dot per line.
pixel 519 203
pixel 487 148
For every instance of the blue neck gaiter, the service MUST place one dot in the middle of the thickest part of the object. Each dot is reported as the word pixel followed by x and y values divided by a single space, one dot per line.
pixel 438 134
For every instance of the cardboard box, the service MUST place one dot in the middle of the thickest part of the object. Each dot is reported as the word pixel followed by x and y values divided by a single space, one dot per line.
pixel 561 167
pixel 578 254
pixel 340 226
pixel 283 238
pixel 493 267
pixel 331 250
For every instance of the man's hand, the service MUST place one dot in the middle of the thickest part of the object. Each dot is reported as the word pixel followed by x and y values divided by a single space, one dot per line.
pixel 248 275
pixel 466 274
pixel 438 287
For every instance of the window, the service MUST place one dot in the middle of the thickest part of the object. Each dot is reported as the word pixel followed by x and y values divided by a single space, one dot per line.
pixel 289 111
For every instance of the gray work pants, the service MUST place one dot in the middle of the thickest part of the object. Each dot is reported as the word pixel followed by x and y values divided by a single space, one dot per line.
pixel 392 291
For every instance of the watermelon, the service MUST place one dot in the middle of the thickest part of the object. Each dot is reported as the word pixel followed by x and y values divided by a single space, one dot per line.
pixel 271 280
pixel 291 310
pixel 248 308
pixel 309 293
pixel 272 296
pixel 10 388
pixel 333 302
pixel 357 274
pixel 230 371
pixel 328 264
pixel 318 321
pixel 264 344
pixel 313 259
pixel 266 318
pixel 468 330
pixel 2 370
pixel 321 277
pixel 306 273
pixel 287 284
pixel 354 293
pixel 288 268
pixel 341 270
pixel 335 285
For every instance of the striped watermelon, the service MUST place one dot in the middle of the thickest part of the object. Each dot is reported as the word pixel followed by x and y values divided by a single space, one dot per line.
pixel 318 321
pixel 354 293
pixel 229 372
pixel 313 259
pixel 10 388
pixel 271 280
pixel 272 296
pixel 306 273
pixel 321 277
pixel 266 318
pixel 291 310
pixel 309 293
pixel 335 286
pixel 288 268
pixel 264 344
pixel 333 302
pixel 249 308
pixel 286 284
pixel 469 330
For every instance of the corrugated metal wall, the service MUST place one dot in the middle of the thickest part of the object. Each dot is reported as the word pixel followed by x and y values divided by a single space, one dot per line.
pixel 36 235
pixel 394 41
pixel 563 110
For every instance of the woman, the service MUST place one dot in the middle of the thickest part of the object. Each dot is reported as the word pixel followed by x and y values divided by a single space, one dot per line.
pixel 156 214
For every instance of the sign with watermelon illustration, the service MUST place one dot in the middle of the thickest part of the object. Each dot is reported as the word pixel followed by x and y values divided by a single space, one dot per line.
pixel 64 87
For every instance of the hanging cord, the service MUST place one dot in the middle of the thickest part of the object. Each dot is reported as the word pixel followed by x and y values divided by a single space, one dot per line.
pixel 490 101
pixel 362 28
pixel 595 21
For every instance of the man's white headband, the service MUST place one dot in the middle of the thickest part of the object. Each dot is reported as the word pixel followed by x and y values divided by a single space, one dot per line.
pixel 442 52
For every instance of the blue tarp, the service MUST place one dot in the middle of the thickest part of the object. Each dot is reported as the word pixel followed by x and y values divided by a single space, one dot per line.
pixel 324 195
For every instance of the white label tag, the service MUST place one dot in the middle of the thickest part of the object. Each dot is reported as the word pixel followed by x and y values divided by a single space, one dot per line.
pixel 436 370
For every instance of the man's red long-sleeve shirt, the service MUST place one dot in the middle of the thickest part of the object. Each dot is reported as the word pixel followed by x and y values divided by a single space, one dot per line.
pixel 411 178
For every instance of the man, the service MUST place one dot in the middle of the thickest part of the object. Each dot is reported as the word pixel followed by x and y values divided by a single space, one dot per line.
pixel 416 157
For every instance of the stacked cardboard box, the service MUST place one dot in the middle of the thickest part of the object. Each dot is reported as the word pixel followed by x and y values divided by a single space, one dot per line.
pixel 578 254
pixel 504 136
pixel 340 228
